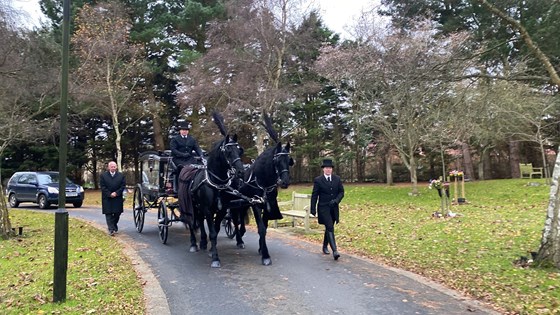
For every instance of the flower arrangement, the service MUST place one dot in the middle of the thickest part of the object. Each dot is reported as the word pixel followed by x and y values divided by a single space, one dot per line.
pixel 435 183
pixel 457 173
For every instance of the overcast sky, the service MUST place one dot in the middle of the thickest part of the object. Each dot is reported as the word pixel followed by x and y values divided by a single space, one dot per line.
pixel 336 13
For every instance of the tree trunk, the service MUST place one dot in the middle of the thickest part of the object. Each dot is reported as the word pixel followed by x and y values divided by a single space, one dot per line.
pixel 514 158
pixel 485 170
pixel 360 164
pixel 549 252
pixel 5 224
pixel 467 161
pixel 413 176
pixel 543 156
pixel 118 137
pixel 389 168
pixel 159 142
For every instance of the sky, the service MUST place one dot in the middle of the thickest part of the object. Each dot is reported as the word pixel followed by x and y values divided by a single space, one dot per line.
pixel 337 14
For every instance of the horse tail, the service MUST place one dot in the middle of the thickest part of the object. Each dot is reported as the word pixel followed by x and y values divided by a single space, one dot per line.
pixel 219 121
pixel 269 128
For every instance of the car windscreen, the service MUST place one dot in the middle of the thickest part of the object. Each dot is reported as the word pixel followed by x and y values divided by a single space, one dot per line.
pixel 45 179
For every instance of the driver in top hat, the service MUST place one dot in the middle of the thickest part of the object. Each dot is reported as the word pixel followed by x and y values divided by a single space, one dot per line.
pixel 184 148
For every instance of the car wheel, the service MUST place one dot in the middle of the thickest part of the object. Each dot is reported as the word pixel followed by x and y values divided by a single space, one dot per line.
pixel 14 203
pixel 78 204
pixel 43 202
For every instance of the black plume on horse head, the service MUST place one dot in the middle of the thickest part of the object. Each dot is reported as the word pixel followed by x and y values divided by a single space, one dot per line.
pixel 219 121
pixel 269 128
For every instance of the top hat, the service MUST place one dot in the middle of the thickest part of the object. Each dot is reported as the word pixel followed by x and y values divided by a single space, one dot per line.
pixel 184 125
pixel 327 163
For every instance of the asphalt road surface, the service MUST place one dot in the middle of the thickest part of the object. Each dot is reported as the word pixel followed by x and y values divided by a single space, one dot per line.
pixel 301 280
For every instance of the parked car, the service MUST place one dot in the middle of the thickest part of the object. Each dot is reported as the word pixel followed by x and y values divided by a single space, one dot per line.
pixel 41 188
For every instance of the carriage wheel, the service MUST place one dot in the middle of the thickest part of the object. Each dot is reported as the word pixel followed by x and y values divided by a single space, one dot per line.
pixel 138 208
pixel 229 228
pixel 163 221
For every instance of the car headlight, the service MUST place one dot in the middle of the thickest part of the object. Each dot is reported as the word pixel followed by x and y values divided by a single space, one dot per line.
pixel 52 190
pixel 80 189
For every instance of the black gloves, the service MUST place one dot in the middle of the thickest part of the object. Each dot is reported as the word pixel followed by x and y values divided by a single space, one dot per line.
pixel 333 203
pixel 313 211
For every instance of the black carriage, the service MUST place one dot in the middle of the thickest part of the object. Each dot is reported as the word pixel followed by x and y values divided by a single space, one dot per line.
pixel 157 189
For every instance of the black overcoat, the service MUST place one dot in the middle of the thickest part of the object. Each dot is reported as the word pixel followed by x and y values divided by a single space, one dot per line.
pixel 323 193
pixel 182 148
pixel 108 185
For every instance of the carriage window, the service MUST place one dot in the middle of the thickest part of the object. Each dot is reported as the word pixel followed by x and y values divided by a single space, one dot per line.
pixel 150 178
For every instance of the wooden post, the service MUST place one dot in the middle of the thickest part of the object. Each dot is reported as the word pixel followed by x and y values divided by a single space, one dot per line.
pixel 463 188
pixel 455 193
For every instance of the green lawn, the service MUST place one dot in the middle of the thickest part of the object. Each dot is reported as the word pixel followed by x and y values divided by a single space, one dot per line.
pixel 100 279
pixel 472 253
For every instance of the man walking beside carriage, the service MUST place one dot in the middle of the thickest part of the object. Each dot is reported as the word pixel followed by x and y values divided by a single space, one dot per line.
pixel 327 194
pixel 112 185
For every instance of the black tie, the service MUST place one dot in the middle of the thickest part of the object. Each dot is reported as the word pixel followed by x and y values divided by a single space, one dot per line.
pixel 328 179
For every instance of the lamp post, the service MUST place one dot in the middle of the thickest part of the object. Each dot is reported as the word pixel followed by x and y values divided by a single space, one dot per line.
pixel 61 215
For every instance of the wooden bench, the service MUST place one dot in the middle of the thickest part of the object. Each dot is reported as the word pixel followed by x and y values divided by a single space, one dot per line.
pixel 298 207
pixel 527 170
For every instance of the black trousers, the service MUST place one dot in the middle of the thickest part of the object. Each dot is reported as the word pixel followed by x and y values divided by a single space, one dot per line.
pixel 112 221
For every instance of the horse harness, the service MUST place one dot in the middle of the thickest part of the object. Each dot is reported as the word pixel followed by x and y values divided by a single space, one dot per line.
pixel 253 181
pixel 226 186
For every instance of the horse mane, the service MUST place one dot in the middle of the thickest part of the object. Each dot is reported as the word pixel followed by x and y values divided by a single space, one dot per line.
pixel 269 128
pixel 219 121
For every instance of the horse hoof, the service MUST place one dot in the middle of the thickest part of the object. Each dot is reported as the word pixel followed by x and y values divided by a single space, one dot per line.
pixel 193 249
pixel 267 261
pixel 242 246
pixel 216 264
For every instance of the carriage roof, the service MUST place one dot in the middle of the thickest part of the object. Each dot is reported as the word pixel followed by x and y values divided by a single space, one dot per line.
pixel 161 156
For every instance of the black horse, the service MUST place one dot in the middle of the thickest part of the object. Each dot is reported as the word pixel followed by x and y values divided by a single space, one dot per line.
pixel 224 166
pixel 270 170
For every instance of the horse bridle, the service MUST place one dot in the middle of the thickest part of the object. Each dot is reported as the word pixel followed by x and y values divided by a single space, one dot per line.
pixel 275 159
pixel 270 188
pixel 223 149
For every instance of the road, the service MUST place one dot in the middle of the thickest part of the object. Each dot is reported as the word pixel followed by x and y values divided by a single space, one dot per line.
pixel 301 280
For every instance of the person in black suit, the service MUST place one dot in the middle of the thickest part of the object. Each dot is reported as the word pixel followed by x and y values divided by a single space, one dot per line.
pixel 182 147
pixel 112 185
pixel 327 194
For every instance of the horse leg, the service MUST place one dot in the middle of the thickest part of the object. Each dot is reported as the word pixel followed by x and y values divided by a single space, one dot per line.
pixel 194 247
pixel 261 226
pixel 239 220
pixel 203 236
pixel 214 242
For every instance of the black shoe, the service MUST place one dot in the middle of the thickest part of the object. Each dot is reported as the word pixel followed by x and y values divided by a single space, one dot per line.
pixel 326 251
pixel 332 242
pixel 335 254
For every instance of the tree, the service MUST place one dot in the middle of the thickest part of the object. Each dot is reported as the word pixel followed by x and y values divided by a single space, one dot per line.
pixel 25 93
pixel 401 81
pixel 110 66
pixel 243 71
pixel 549 251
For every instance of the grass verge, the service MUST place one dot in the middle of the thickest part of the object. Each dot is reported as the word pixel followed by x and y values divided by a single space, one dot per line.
pixel 100 279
